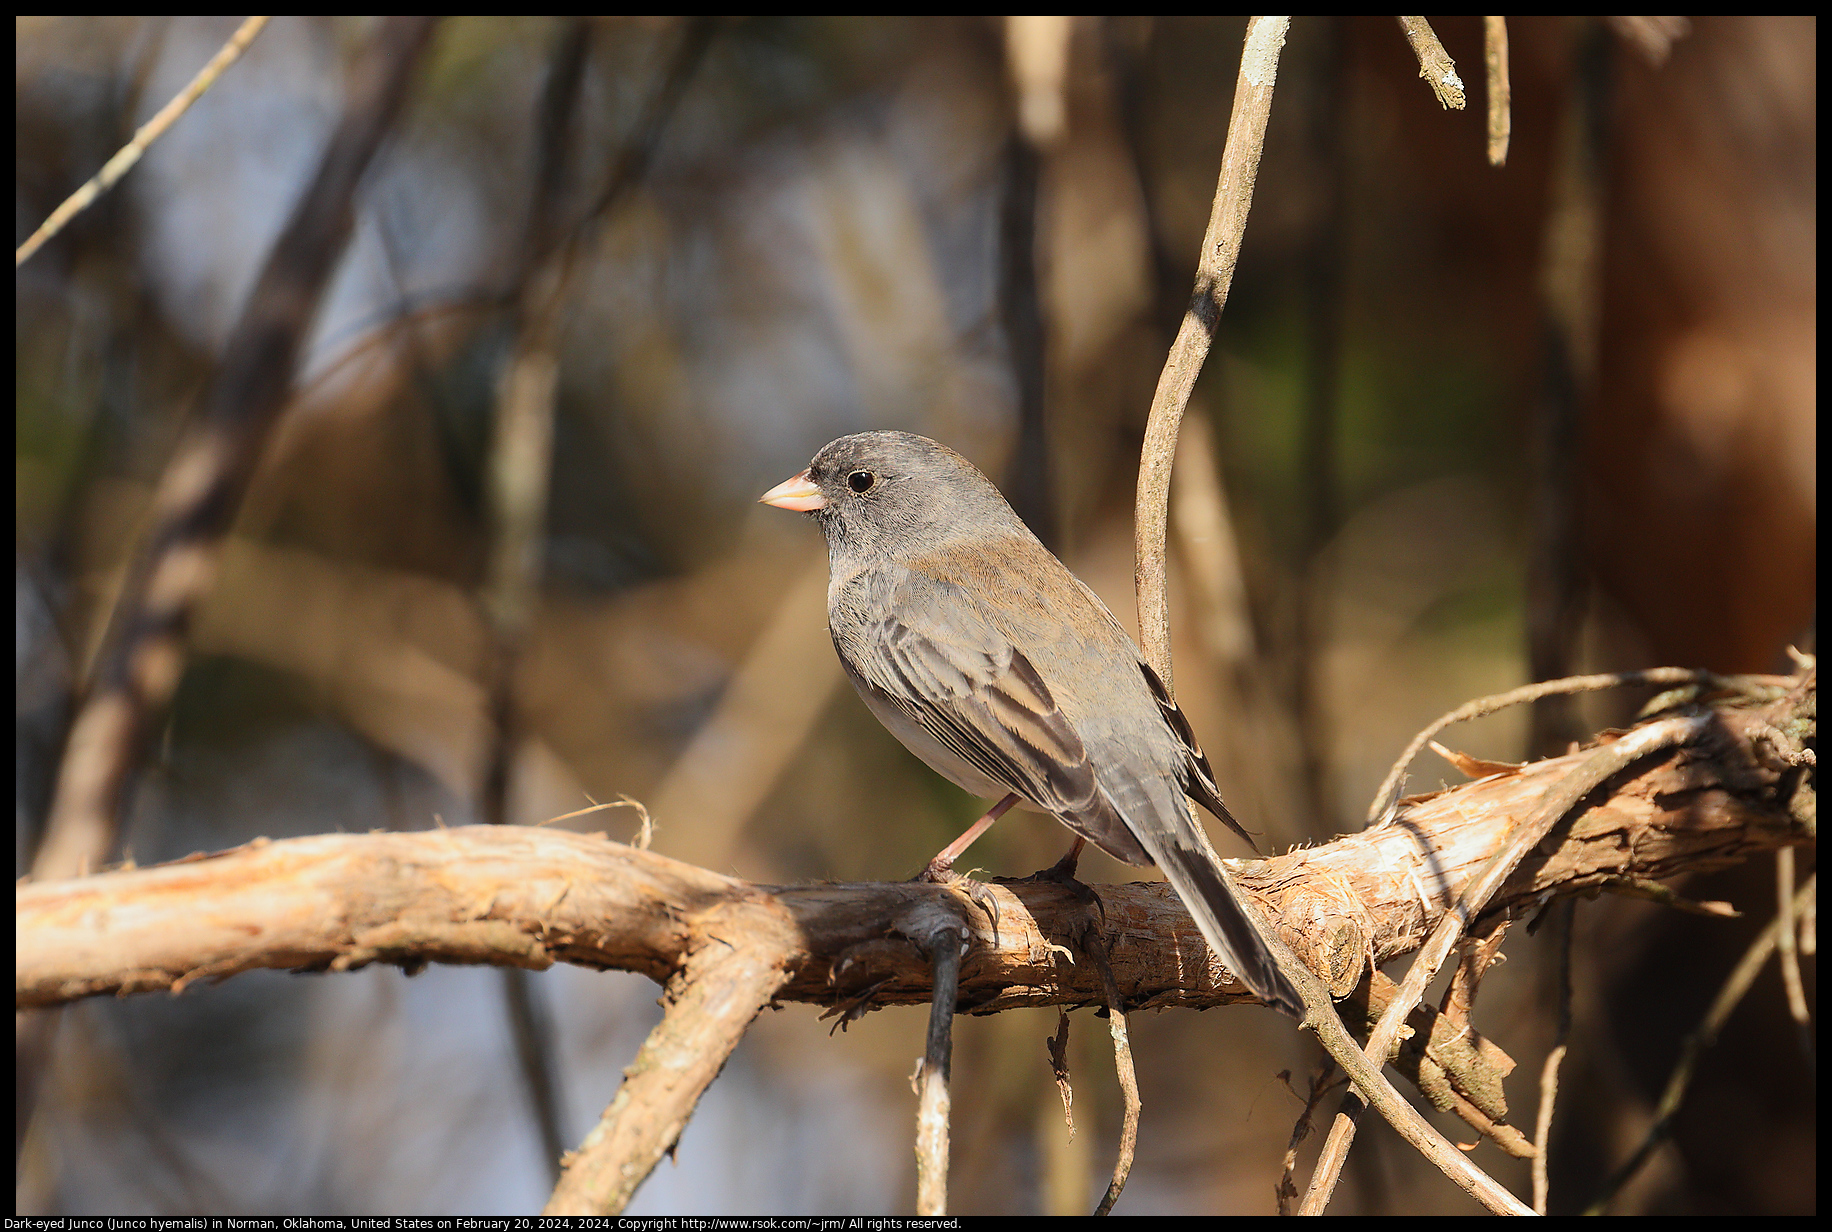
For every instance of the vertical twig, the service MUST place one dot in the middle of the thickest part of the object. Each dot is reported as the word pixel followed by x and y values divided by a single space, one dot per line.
pixel 1500 92
pixel 1729 996
pixel 149 132
pixel 1215 270
pixel 933 1100
pixel 1789 951
pixel 1058 1048
pixel 1124 1070
pixel 1214 273
pixel 1563 913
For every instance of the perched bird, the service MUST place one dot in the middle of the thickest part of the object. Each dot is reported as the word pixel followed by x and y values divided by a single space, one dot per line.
pixel 993 663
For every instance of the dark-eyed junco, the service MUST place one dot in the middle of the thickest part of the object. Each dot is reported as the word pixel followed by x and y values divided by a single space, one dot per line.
pixel 993 663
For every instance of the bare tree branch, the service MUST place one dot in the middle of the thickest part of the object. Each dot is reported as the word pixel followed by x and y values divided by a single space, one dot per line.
pixel 530 897
pixel 719 989
pixel 1435 64
pixel 1259 62
pixel 144 136
pixel 1500 92
pixel 143 655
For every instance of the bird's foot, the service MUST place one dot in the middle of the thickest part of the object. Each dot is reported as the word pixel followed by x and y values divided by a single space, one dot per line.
pixel 1062 873
pixel 937 872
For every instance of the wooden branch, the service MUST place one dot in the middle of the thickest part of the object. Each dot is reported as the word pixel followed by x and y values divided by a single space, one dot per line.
pixel 1500 93
pixel 1435 64
pixel 711 1001
pixel 941 935
pixel 530 897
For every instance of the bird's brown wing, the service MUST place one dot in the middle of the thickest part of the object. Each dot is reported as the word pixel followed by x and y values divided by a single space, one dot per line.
pixel 980 698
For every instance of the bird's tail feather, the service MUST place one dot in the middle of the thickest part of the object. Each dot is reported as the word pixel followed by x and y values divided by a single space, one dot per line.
pixel 1226 926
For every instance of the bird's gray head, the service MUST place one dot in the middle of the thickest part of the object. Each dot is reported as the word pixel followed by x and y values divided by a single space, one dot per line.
pixel 886 491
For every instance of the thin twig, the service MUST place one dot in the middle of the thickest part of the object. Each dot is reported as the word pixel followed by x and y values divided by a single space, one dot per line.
pixel 1326 1079
pixel 1548 1075
pixel 1500 110
pixel 1594 771
pixel 1058 1049
pixel 1704 1037
pixel 149 132
pixel 1790 956
pixel 1259 62
pixel 1376 1092
pixel 933 1100
pixel 1125 1071
pixel 1381 809
pixel 1435 64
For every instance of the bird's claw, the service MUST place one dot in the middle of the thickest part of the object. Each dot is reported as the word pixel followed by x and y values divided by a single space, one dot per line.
pixel 936 873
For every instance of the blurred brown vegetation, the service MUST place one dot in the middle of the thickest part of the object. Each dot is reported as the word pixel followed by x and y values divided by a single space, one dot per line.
pixel 821 244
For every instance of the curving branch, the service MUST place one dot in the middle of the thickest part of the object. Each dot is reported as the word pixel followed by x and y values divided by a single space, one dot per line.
pixel 1259 65
pixel 530 897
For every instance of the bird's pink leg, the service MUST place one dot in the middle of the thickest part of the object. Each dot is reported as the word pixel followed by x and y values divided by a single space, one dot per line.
pixel 943 863
pixel 1064 869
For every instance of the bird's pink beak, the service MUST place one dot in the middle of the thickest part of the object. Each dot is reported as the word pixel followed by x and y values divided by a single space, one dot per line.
pixel 798 494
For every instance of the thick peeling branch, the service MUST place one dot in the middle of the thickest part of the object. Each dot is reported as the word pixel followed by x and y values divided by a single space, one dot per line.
pixel 531 897
pixel 710 1004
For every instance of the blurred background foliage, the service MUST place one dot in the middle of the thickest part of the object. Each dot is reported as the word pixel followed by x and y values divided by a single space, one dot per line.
pixel 845 226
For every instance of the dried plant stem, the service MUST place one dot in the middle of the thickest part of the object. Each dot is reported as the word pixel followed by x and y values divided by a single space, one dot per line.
pixel 1128 1080
pixel 934 1102
pixel 1706 1035
pixel 1435 64
pixel 1388 794
pixel 1548 1076
pixel 1596 769
pixel 149 132
pixel 1500 109
pixel 1214 273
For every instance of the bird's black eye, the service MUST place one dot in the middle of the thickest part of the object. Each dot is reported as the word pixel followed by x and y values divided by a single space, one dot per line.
pixel 861 481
